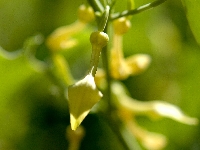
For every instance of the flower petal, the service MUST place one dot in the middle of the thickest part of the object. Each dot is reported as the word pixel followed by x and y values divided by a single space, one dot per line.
pixel 82 96
pixel 171 111
pixel 150 140
pixel 152 108
pixel 138 63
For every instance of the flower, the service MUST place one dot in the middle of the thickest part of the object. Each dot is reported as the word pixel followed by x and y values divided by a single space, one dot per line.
pixel 61 38
pixel 121 67
pixel 129 107
pixel 82 96
pixel 150 140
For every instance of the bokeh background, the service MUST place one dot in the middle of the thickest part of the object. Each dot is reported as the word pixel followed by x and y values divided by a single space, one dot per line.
pixel 33 113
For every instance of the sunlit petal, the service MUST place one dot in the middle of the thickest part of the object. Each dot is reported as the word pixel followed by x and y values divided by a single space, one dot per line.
pixel 82 96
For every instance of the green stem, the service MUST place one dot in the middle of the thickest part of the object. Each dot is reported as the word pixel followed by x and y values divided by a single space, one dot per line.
pixel 115 127
pixel 107 2
pixel 137 10
pixel 96 5
pixel 130 4
pixel 104 19
pixel 96 52
pixel 105 60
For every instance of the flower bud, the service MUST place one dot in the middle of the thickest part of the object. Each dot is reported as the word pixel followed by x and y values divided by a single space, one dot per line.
pixel 121 25
pixel 99 39
pixel 82 96
pixel 85 14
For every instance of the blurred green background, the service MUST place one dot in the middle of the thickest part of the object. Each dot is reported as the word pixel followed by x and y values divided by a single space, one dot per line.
pixel 34 114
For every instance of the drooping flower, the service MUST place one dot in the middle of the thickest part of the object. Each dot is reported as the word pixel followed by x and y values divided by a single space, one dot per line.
pixel 149 140
pixel 129 107
pixel 121 67
pixel 83 95
pixel 61 38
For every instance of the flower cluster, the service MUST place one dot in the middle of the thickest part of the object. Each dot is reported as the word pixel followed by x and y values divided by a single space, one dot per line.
pixel 128 108
pixel 84 94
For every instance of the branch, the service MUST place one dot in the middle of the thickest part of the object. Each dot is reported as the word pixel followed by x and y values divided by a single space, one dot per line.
pixel 96 5
pixel 137 10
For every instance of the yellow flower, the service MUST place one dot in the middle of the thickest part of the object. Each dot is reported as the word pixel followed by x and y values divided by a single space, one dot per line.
pixel 151 108
pixel 149 140
pixel 61 38
pixel 129 107
pixel 82 96
pixel 121 67
pixel 121 26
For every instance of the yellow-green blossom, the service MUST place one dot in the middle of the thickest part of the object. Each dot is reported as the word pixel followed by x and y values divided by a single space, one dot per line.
pixel 121 67
pixel 61 38
pixel 129 107
pixel 82 96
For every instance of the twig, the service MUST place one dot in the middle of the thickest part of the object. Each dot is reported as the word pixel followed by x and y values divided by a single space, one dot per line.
pixel 137 10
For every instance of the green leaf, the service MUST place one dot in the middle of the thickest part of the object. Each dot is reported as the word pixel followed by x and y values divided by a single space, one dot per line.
pixel 192 8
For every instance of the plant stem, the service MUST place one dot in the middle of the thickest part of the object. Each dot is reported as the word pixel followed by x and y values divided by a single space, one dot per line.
pixel 115 127
pixel 96 5
pixel 137 10
pixel 110 119
pixel 104 19
pixel 105 60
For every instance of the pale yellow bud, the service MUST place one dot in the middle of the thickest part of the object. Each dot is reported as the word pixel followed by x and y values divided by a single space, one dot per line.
pixel 82 96
pixel 99 39
pixel 85 14
pixel 121 25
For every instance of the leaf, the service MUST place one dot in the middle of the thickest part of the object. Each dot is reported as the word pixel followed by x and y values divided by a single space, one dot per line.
pixel 192 8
